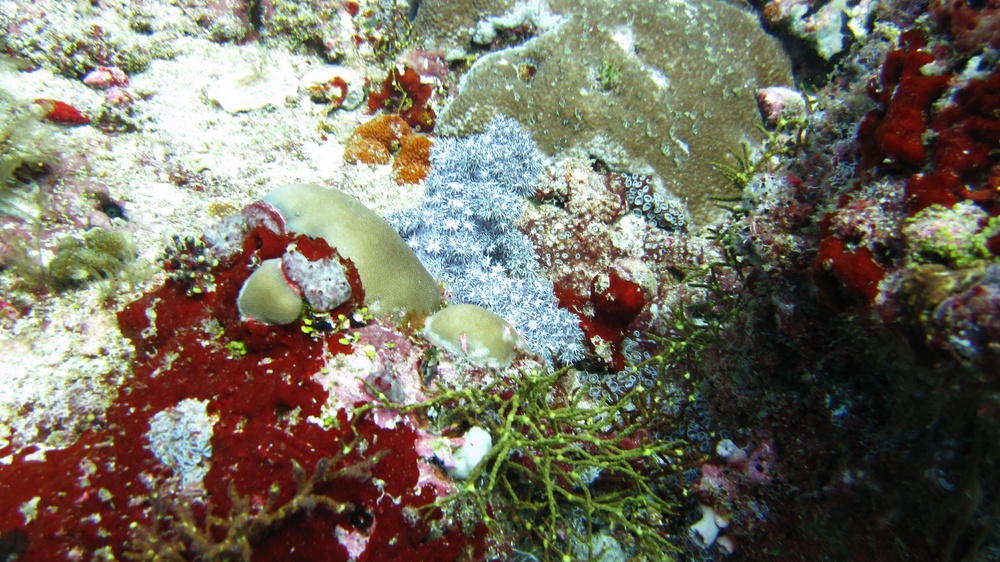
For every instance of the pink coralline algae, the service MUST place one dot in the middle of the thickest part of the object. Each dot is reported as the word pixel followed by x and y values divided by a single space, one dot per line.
pixel 967 323
pixel 104 77
pixel 732 487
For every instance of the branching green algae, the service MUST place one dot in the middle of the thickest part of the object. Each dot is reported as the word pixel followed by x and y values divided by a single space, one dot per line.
pixel 560 469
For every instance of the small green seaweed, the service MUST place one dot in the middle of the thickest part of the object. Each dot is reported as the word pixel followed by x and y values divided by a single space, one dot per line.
pixel 787 138
pixel 609 75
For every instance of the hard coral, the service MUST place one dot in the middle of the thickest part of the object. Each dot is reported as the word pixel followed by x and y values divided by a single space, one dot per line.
pixel 672 113
pixel 101 255
pixel 449 24
pixel 395 281
pixel 956 236
pixel 956 312
pixel 474 333
pixel 73 38
pixel 386 129
pixel 373 140
pixel 360 150
pixel 316 25
pixel 278 474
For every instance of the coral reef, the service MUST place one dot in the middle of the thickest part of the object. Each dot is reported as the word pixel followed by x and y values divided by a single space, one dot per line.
pixel 394 281
pixel 188 260
pixel 758 323
pixel 551 461
pixel 413 161
pixel 828 29
pixel 475 333
pixel 73 37
pixel 688 76
pixel 181 438
pixel 403 92
pixel 245 381
pixel 971 26
pixel 449 24
pixel 324 27
pixel 25 151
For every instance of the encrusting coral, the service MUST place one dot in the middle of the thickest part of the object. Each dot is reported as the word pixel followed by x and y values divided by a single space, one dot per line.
pixel 684 97
pixel 100 255
pixel 376 140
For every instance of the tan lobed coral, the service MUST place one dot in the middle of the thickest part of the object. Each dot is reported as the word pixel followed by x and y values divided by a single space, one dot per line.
pixel 449 24
pixel 645 86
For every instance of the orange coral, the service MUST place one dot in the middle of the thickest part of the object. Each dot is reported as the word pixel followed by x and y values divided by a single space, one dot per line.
pixel 360 150
pixel 413 160
pixel 386 129
pixel 374 140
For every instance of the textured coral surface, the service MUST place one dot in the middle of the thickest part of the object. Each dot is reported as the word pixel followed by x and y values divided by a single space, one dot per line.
pixel 652 87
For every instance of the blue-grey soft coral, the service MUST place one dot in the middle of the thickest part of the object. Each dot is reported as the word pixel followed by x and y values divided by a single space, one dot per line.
pixel 464 233
pixel 181 438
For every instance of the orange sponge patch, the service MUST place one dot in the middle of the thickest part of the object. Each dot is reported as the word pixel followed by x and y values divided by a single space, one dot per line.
pixel 374 141
pixel 360 150
pixel 386 129
pixel 413 160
